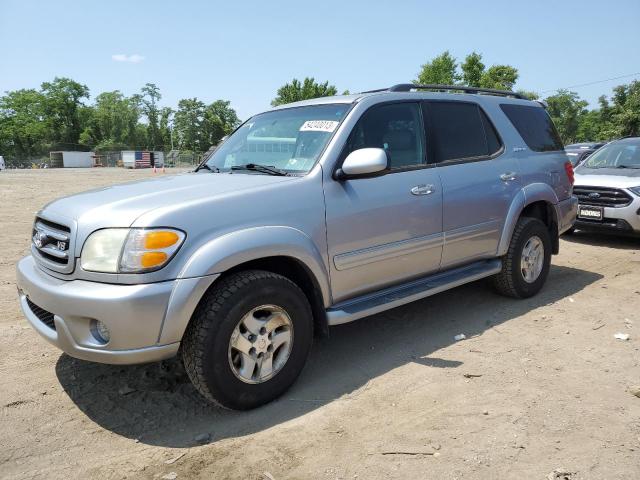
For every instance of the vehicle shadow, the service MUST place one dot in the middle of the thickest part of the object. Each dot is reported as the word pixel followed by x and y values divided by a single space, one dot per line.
pixel 601 239
pixel 157 405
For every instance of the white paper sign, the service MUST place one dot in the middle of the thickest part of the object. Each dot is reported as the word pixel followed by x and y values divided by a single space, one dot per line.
pixel 319 126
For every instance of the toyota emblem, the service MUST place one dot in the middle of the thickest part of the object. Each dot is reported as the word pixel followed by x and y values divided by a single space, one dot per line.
pixel 40 239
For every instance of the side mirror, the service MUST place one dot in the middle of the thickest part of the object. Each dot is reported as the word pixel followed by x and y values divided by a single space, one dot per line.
pixel 362 163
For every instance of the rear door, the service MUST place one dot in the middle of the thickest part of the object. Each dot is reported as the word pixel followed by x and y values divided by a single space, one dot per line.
pixel 386 229
pixel 479 180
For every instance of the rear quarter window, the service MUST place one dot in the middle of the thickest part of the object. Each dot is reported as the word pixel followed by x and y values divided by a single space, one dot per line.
pixel 534 126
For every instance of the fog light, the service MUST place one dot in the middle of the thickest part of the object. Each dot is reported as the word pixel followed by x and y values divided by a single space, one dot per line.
pixel 100 331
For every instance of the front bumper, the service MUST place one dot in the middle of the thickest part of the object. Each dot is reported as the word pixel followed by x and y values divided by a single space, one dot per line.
pixel 618 219
pixel 146 321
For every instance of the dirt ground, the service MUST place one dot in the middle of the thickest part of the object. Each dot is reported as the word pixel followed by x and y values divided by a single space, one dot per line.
pixel 538 386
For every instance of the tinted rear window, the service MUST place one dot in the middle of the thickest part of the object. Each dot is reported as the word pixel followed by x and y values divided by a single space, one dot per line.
pixel 460 130
pixel 534 126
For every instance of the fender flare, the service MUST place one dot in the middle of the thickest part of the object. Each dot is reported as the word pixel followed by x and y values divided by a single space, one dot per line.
pixel 222 253
pixel 232 249
pixel 532 193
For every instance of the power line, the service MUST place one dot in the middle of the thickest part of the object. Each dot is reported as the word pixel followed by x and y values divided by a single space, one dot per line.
pixel 591 83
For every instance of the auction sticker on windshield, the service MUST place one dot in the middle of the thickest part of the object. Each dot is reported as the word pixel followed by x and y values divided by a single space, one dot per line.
pixel 319 126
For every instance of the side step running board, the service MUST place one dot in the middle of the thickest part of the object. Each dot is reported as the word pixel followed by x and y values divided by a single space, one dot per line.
pixel 392 297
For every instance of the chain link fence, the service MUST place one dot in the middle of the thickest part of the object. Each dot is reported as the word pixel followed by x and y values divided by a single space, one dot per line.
pixel 27 162
pixel 182 159
pixel 172 159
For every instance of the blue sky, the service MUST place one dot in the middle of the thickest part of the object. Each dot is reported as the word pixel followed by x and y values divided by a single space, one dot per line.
pixel 244 50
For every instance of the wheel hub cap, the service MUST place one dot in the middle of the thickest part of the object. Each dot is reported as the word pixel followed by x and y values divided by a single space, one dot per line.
pixel 260 344
pixel 532 260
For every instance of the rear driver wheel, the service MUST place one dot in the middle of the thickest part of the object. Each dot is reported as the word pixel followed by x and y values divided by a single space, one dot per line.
pixel 526 265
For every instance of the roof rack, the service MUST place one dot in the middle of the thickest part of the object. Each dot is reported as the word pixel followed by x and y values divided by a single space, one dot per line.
pixel 407 87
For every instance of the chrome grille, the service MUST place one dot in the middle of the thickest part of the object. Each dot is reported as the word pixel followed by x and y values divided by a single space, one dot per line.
pixel 51 245
pixel 602 196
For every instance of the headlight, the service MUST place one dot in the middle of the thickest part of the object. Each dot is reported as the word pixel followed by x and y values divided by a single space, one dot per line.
pixel 130 250
pixel 102 250
pixel 635 190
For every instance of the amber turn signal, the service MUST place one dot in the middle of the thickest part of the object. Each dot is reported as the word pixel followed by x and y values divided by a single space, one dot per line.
pixel 152 259
pixel 160 239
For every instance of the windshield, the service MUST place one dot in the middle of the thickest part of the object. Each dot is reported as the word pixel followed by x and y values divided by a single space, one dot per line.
pixel 615 155
pixel 290 140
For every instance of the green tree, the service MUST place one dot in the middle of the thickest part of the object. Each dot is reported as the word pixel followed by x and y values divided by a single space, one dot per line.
pixel 62 103
pixel 114 122
pixel 188 122
pixel 502 77
pixel 22 126
pixel 472 70
pixel 34 122
pixel 529 94
pixel 626 109
pixel 165 127
pixel 296 91
pixel 591 127
pixel 219 120
pixel 441 70
pixel 566 109
pixel 149 104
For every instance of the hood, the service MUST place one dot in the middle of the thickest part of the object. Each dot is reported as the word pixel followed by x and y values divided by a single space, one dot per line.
pixel 608 177
pixel 120 205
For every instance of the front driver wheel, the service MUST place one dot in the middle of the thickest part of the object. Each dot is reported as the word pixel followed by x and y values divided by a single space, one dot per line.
pixel 248 340
pixel 526 265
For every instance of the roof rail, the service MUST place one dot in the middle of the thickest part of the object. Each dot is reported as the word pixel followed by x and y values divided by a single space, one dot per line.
pixel 407 87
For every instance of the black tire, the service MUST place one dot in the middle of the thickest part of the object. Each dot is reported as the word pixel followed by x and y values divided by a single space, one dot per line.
pixel 205 346
pixel 510 281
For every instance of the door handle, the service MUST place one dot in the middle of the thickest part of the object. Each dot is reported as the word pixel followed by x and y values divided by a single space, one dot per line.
pixel 422 190
pixel 509 176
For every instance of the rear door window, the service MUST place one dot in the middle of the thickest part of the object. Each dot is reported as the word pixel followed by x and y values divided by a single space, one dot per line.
pixel 534 126
pixel 459 131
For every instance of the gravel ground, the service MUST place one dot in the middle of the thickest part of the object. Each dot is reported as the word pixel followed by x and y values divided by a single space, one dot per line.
pixel 539 389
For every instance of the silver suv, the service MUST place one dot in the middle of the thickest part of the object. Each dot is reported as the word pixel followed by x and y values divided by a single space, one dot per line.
pixel 608 188
pixel 309 215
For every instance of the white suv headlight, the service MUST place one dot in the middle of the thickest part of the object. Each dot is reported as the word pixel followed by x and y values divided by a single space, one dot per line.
pixel 636 190
pixel 130 250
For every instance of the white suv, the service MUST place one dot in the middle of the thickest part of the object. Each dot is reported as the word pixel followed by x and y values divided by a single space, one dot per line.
pixel 607 185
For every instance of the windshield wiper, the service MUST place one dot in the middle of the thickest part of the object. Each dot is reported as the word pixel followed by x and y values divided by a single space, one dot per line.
pixel 268 169
pixel 627 166
pixel 213 170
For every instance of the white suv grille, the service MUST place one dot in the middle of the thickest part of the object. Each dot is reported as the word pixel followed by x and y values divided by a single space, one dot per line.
pixel 602 196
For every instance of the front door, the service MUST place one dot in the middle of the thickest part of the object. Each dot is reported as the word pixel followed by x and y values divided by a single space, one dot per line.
pixel 479 179
pixel 386 229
